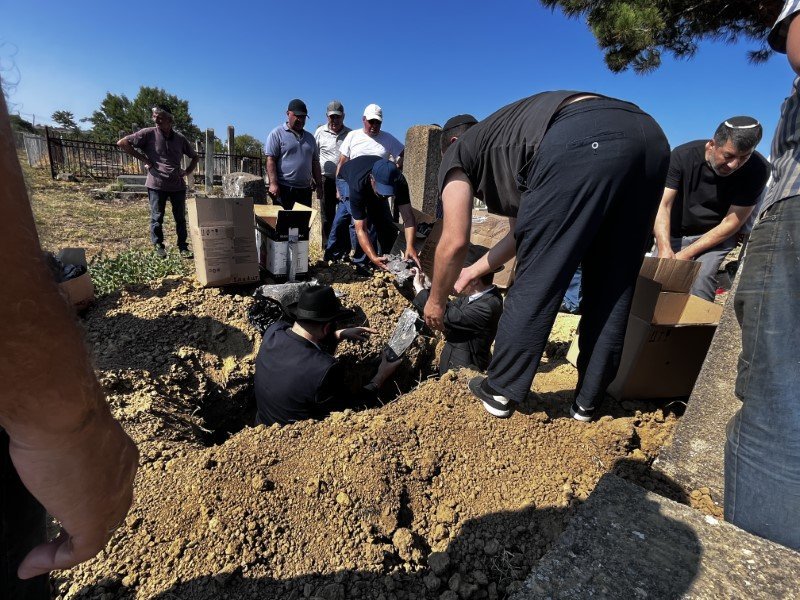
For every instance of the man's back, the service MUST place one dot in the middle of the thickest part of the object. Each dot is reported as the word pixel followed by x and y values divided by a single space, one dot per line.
pixel 289 374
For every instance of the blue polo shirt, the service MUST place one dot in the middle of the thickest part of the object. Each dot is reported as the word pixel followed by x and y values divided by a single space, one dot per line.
pixel 294 154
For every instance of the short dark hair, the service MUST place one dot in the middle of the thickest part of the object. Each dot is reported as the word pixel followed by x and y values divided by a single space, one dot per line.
pixel 456 127
pixel 745 133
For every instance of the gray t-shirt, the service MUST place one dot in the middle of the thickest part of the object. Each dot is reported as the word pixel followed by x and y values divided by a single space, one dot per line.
pixel 293 153
pixel 165 153
pixel 328 144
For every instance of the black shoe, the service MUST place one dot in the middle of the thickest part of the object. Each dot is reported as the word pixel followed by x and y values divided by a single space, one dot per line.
pixel 186 253
pixel 581 414
pixel 494 403
pixel 161 251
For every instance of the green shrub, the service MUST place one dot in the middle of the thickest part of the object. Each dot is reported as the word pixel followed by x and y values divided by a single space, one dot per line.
pixel 135 266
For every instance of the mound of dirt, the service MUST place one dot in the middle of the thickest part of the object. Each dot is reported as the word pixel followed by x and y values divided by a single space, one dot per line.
pixel 425 497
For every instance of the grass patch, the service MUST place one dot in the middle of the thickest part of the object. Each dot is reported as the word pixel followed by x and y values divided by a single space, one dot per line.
pixel 135 266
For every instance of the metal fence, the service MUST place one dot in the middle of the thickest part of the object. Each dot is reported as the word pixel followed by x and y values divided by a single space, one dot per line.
pixel 97 160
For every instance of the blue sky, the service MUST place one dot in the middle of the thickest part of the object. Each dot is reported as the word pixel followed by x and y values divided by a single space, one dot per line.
pixel 239 63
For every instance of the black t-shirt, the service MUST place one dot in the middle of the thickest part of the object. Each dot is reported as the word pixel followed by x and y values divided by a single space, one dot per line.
pixel 496 154
pixel 356 173
pixel 704 198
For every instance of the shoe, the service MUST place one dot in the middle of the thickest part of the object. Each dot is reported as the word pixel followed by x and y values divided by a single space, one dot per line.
pixel 495 404
pixel 581 414
pixel 186 253
pixel 161 251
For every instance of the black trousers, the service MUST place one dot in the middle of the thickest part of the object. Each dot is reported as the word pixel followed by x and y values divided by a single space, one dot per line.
pixel 592 194
pixel 290 195
pixel 327 206
pixel 22 526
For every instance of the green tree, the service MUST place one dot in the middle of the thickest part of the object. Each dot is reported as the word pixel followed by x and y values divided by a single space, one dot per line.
pixel 65 119
pixel 118 113
pixel 247 145
pixel 20 124
pixel 635 33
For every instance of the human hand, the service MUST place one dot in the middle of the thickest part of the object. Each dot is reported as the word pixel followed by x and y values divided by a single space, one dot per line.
pixel 411 254
pixel 419 281
pixel 274 190
pixel 380 262
pixel 666 252
pixel 386 369
pixel 357 334
pixel 682 255
pixel 434 315
pixel 465 279
pixel 85 480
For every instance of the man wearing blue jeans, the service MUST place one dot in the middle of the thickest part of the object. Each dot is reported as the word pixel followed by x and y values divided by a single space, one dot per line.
pixel 762 455
pixel 162 149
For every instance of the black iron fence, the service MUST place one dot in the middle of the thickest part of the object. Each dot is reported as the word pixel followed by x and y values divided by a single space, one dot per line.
pixel 97 160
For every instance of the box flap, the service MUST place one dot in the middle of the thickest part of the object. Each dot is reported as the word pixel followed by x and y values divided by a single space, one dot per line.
pixel 645 298
pixel 72 256
pixel 487 230
pixel 674 275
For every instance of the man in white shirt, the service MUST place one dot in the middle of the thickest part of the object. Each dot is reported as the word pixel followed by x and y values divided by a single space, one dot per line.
pixel 371 140
pixel 329 138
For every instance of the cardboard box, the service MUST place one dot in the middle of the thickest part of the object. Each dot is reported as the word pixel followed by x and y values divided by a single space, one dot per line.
pixel 80 290
pixel 487 230
pixel 223 240
pixel 668 335
pixel 272 229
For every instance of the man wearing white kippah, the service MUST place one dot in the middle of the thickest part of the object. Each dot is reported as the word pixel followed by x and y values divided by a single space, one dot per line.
pixel 712 187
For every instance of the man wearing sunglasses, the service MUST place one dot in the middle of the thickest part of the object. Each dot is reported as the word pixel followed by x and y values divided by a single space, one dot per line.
pixel 712 188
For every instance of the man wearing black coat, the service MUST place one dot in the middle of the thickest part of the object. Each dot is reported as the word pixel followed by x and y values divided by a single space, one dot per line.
pixel 470 321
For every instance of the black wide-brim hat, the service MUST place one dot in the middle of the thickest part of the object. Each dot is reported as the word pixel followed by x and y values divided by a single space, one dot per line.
pixel 474 253
pixel 318 303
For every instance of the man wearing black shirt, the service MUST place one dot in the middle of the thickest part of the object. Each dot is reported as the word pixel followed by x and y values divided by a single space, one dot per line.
pixel 712 188
pixel 295 378
pixel 579 176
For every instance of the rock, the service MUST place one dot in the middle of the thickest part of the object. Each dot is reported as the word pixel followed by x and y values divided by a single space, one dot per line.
pixel 66 177
pixel 403 541
pixel 454 582
pixel 244 185
pixel 343 499
pixel 492 547
pixel 432 582
pixel 449 595
pixel 439 562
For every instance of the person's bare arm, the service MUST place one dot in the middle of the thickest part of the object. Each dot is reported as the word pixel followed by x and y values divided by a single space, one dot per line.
pixel 128 148
pixel 66 447
pixel 410 232
pixel 498 255
pixel 342 159
pixel 661 229
pixel 192 165
pixel 399 161
pixel 272 175
pixel 366 244
pixel 452 247
pixel 733 221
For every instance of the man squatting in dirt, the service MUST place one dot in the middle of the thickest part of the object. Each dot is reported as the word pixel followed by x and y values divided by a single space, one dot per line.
pixel 580 177
pixel 297 377
pixel 163 149
pixel 61 451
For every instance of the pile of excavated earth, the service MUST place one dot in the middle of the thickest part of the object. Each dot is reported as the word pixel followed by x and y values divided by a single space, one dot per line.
pixel 425 497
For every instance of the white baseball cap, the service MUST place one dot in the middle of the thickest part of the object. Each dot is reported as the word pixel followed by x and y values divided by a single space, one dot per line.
pixel 373 111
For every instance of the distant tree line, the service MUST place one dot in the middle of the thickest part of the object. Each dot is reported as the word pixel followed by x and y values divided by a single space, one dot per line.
pixel 117 113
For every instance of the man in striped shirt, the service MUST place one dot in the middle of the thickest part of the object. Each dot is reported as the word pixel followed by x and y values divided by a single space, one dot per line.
pixel 762 455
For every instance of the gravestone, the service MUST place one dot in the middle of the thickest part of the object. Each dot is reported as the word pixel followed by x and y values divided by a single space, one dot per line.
pixel 244 185
pixel 421 161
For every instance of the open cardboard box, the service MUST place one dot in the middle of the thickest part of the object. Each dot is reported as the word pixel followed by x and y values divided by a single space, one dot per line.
pixel 668 335
pixel 223 240
pixel 80 290
pixel 272 225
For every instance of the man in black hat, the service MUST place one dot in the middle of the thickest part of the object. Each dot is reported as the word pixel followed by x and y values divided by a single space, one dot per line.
pixel 712 188
pixel 470 321
pixel 293 159
pixel 295 378
pixel 162 149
